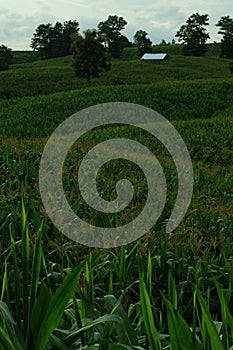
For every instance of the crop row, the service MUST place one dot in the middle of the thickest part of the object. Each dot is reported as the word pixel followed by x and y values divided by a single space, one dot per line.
pixel 175 101
pixel 49 76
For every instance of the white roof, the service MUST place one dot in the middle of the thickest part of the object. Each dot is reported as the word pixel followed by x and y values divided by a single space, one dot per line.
pixel 153 56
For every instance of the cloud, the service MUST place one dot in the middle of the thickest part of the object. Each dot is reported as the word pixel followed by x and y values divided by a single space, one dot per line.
pixel 160 20
pixel 17 29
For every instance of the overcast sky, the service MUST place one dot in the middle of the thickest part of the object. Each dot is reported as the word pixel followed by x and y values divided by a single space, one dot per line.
pixel 160 19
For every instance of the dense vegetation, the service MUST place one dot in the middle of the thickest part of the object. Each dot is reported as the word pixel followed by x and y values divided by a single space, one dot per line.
pixel 161 292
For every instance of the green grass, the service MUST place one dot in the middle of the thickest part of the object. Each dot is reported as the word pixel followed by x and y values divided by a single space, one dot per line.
pixel 55 75
pixel 161 292
pixel 175 100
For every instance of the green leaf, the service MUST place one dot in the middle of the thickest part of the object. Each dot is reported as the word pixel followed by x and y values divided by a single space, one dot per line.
pixel 125 330
pixel 91 324
pixel 8 326
pixel 148 317
pixel 6 342
pixel 17 284
pixel 55 309
pixel 209 323
pixel 39 311
pixel 36 266
pixel 25 266
pixel 181 337
pixel 58 343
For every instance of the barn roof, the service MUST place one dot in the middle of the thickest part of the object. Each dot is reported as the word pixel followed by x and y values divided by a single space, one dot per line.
pixel 154 56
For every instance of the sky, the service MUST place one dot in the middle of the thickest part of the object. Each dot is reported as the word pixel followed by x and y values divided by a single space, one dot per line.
pixel 160 19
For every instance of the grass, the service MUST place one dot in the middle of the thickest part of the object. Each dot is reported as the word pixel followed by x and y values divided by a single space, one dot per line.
pixel 160 292
pixel 56 75
pixel 175 100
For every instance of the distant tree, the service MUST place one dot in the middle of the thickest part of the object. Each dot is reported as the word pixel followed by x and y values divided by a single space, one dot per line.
pixel 90 57
pixel 42 40
pixel 62 44
pixel 125 41
pixel 143 43
pixel 163 42
pixel 111 29
pixel 54 41
pixel 173 42
pixel 6 54
pixel 226 30
pixel 194 35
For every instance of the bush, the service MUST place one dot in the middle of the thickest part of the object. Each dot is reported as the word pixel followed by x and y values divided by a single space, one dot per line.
pixel 3 64
pixel 231 67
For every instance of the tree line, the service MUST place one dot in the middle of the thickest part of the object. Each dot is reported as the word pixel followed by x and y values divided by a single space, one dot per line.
pixel 92 50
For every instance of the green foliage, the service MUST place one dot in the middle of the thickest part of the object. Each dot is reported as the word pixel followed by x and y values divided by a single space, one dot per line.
pixel 111 29
pixel 6 54
pixel 143 43
pixel 89 55
pixel 54 41
pixel 165 290
pixel 161 292
pixel 42 77
pixel 226 30
pixel 194 35
pixel 175 100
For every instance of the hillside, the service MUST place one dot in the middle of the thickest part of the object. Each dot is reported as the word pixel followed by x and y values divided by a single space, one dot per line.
pixel 161 291
pixel 54 75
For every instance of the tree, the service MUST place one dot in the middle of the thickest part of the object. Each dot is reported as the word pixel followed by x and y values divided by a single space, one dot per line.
pixel 143 43
pixel 5 57
pixel 62 44
pixel 54 41
pixel 194 35
pixel 6 54
pixel 125 41
pixel 163 42
pixel 42 40
pixel 111 29
pixel 90 57
pixel 226 30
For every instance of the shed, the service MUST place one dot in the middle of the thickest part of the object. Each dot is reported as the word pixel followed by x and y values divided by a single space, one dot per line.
pixel 154 56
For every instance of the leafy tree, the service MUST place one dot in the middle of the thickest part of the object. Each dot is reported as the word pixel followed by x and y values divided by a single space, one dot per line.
pixel 62 44
pixel 143 43
pixel 125 41
pixel 90 57
pixel 5 57
pixel 6 54
pixel 226 30
pixel 111 29
pixel 194 35
pixel 163 42
pixel 54 41
pixel 42 40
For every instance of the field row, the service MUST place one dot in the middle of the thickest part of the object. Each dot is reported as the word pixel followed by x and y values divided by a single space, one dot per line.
pixel 49 76
pixel 39 116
